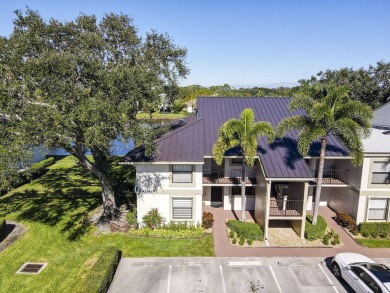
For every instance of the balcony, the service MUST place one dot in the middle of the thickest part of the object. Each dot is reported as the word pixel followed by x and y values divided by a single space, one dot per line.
pixel 333 177
pixel 285 208
pixel 232 176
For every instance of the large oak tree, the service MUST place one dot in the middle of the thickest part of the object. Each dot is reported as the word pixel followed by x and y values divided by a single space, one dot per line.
pixel 78 84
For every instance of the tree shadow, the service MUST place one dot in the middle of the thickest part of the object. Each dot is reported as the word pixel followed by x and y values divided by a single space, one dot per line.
pixel 289 148
pixel 64 197
pixel 315 147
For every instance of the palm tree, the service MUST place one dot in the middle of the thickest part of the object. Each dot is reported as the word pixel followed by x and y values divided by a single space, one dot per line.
pixel 242 133
pixel 328 110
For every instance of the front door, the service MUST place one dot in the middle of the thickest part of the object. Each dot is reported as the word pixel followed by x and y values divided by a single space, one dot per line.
pixel 216 195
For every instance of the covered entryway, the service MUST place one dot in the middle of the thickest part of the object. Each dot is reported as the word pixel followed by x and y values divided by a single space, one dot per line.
pixel 216 195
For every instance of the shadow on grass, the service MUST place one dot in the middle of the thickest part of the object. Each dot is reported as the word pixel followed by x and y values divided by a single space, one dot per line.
pixel 57 199
pixel 64 196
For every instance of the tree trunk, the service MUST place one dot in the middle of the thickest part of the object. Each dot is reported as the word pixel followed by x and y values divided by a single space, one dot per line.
pixel 319 179
pixel 99 170
pixel 243 197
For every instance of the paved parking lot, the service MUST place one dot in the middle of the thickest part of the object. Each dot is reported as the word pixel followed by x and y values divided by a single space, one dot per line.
pixel 276 274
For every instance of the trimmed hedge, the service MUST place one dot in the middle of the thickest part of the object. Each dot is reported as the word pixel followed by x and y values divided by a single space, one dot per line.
pixel 374 229
pixel 196 232
pixel 246 230
pixel 35 171
pixel 313 232
pixel 100 276
pixel 3 229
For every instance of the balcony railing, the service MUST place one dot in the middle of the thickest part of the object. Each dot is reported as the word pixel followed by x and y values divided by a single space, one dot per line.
pixel 286 208
pixel 333 176
pixel 231 176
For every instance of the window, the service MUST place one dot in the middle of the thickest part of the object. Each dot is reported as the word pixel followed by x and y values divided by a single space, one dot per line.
pixel 250 190
pixel 182 208
pixel 380 173
pixel 182 173
pixel 366 278
pixel 236 161
pixel 377 209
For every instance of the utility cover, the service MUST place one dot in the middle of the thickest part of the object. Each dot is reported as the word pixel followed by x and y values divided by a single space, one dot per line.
pixel 31 268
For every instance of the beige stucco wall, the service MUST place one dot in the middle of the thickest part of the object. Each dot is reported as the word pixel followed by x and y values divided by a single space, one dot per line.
pixel 158 190
pixel 344 199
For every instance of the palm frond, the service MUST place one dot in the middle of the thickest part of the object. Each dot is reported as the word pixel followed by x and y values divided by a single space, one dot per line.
pixel 293 122
pixel 249 147
pixel 349 132
pixel 358 112
pixel 301 102
pixel 233 128
pixel 263 128
pixel 219 150
pixel 307 136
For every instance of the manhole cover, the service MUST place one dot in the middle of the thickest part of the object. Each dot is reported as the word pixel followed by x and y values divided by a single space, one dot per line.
pixel 31 268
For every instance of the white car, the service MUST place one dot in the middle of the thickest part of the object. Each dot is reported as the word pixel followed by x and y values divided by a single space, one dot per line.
pixel 361 273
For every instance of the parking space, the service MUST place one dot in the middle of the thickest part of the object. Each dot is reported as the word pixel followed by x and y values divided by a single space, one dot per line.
pixel 225 275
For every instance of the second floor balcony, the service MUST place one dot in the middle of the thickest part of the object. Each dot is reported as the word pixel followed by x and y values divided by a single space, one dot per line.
pixel 333 177
pixel 230 176
pixel 285 208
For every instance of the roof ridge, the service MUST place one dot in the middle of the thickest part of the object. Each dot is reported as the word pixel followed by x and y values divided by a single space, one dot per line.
pixel 178 130
pixel 242 97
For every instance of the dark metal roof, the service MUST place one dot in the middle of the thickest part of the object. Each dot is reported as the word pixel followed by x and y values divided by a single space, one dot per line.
pixel 181 144
pixel 196 137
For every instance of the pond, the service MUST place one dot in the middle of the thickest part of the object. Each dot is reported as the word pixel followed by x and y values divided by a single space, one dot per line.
pixel 119 148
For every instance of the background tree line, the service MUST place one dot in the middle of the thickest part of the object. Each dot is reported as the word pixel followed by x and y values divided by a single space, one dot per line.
pixel 368 85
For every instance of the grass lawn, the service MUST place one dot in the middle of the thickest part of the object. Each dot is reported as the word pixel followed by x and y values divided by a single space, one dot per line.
pixel 374 242
pixel 53 208
pixel 161 116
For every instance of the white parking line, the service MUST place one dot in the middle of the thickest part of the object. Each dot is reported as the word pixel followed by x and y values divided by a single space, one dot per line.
pixel 244 263
pixel 169 279
pixel 223 280
pixel 330 281
pixel 276 280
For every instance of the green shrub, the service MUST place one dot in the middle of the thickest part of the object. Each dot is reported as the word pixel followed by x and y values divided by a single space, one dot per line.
pixel 242 240
pixel 3 229
pixel 313 232
pixel 100 276
pixel 246 230
pixel 131 217
pixel 196 232
pixel 177 226
pixel 207 220
pixel 326 239
pixel 374 229
pixel 336 239
pixel 35 171
pixel 345 220
pixel 153 219
pixel 234 241
pixel 232 234
pixel 178 106
pixel 250 241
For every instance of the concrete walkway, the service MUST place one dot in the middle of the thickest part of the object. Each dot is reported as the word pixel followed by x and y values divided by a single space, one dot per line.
pixel 223 248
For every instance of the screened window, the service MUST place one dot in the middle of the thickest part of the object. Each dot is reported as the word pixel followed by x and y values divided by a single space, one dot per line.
pixel 377 208
pixel 181 173
pixel 380 173
pixel 182 208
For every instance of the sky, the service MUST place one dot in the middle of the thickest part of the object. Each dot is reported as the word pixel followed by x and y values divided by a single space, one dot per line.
pixel 246 43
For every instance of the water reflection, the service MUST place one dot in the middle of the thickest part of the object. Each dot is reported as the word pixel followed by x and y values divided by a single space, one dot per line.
pixel 119 148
